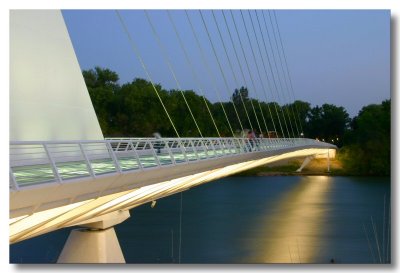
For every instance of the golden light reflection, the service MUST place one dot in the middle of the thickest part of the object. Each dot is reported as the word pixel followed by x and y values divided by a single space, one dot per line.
pixel 292 230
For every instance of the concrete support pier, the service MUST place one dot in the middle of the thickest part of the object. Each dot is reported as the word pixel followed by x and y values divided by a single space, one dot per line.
pixel 305 163
pixel 95 243
pixel 92 246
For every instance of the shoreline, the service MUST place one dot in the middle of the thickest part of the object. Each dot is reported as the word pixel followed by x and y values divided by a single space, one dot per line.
pixel 295 174
pixel 272 173
pixel 317 167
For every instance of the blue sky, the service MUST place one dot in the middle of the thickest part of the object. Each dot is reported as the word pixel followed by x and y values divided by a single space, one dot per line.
pixel 340 57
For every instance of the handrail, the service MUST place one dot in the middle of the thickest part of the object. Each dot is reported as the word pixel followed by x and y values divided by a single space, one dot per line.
pixel 117 140
pixel 36 162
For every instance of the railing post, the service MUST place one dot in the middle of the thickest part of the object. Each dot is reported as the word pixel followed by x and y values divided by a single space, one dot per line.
pixel 183 150
pixel 213 147
pixel 170 152
pixel 127 146
pixel 263 144
pixel 231 145
pixel 221 146
pixel 267 143
pixel 14 184
pixel 194 149
pixel 114 157
pixel 53 164
pixel 209 143
pixel 239 141
pixel 228 143
pixel 249 145
pixel 203 147
pixel 136 154
pixel 245 147
pixel 154 153
pixel 88 165
pixel 256 144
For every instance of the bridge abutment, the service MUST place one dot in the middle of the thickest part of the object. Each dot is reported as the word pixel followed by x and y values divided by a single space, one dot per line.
pixel 330 153
pixel 96 242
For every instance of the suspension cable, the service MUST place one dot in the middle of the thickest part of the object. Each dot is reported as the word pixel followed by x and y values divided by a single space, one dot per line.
pixel 277 72
pixel 137 53
pixel 233 72
pixel 204 59
pixel 169 64
pixel 276 93
pixel 248 68
pixel 279 49
pixel 181 44
pixel 265 70
pixel 288 74
pixel 279 75
pixel 255 61
pixel 283 72
pixel 220 68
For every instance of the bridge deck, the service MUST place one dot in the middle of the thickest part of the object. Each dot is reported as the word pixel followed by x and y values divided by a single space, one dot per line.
pixel 59 184
pixel 33 163
pixel 43 173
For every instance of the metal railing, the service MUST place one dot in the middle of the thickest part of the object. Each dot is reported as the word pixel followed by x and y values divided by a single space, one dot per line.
pixel 36 162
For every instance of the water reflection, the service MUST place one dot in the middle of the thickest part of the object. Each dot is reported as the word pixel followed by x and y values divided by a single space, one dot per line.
pixel 290 231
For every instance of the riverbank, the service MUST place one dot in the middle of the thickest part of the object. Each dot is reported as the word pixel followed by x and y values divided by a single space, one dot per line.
pixel 289 167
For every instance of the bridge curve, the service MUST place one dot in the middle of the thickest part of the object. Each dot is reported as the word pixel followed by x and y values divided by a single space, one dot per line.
pixel 56 184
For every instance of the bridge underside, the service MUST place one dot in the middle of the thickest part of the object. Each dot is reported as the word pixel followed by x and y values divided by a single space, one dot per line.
pixel 47 208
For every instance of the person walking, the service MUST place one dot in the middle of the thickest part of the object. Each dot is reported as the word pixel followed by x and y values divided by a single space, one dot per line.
pixel 251 136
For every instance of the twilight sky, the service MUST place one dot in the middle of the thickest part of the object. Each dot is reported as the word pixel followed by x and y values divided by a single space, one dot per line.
pixel 340 57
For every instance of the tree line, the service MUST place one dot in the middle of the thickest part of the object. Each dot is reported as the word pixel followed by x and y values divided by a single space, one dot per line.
pixel 134 109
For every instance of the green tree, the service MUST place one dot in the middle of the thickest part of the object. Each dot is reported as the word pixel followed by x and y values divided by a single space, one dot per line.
pixel 367 148
pixel 140 111
pixel 102 86
pixel 302 110
pixel 328 122
pixel 240 94
pixel 220 118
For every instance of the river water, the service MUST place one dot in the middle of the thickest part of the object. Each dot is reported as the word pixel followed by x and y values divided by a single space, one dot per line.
pixel 271 219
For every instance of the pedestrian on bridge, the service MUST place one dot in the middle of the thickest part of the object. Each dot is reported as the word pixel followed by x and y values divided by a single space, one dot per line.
pixel 158 144
pixel 251 136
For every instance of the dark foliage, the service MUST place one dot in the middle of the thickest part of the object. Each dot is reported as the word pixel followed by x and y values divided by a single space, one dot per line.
pixel 134 110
